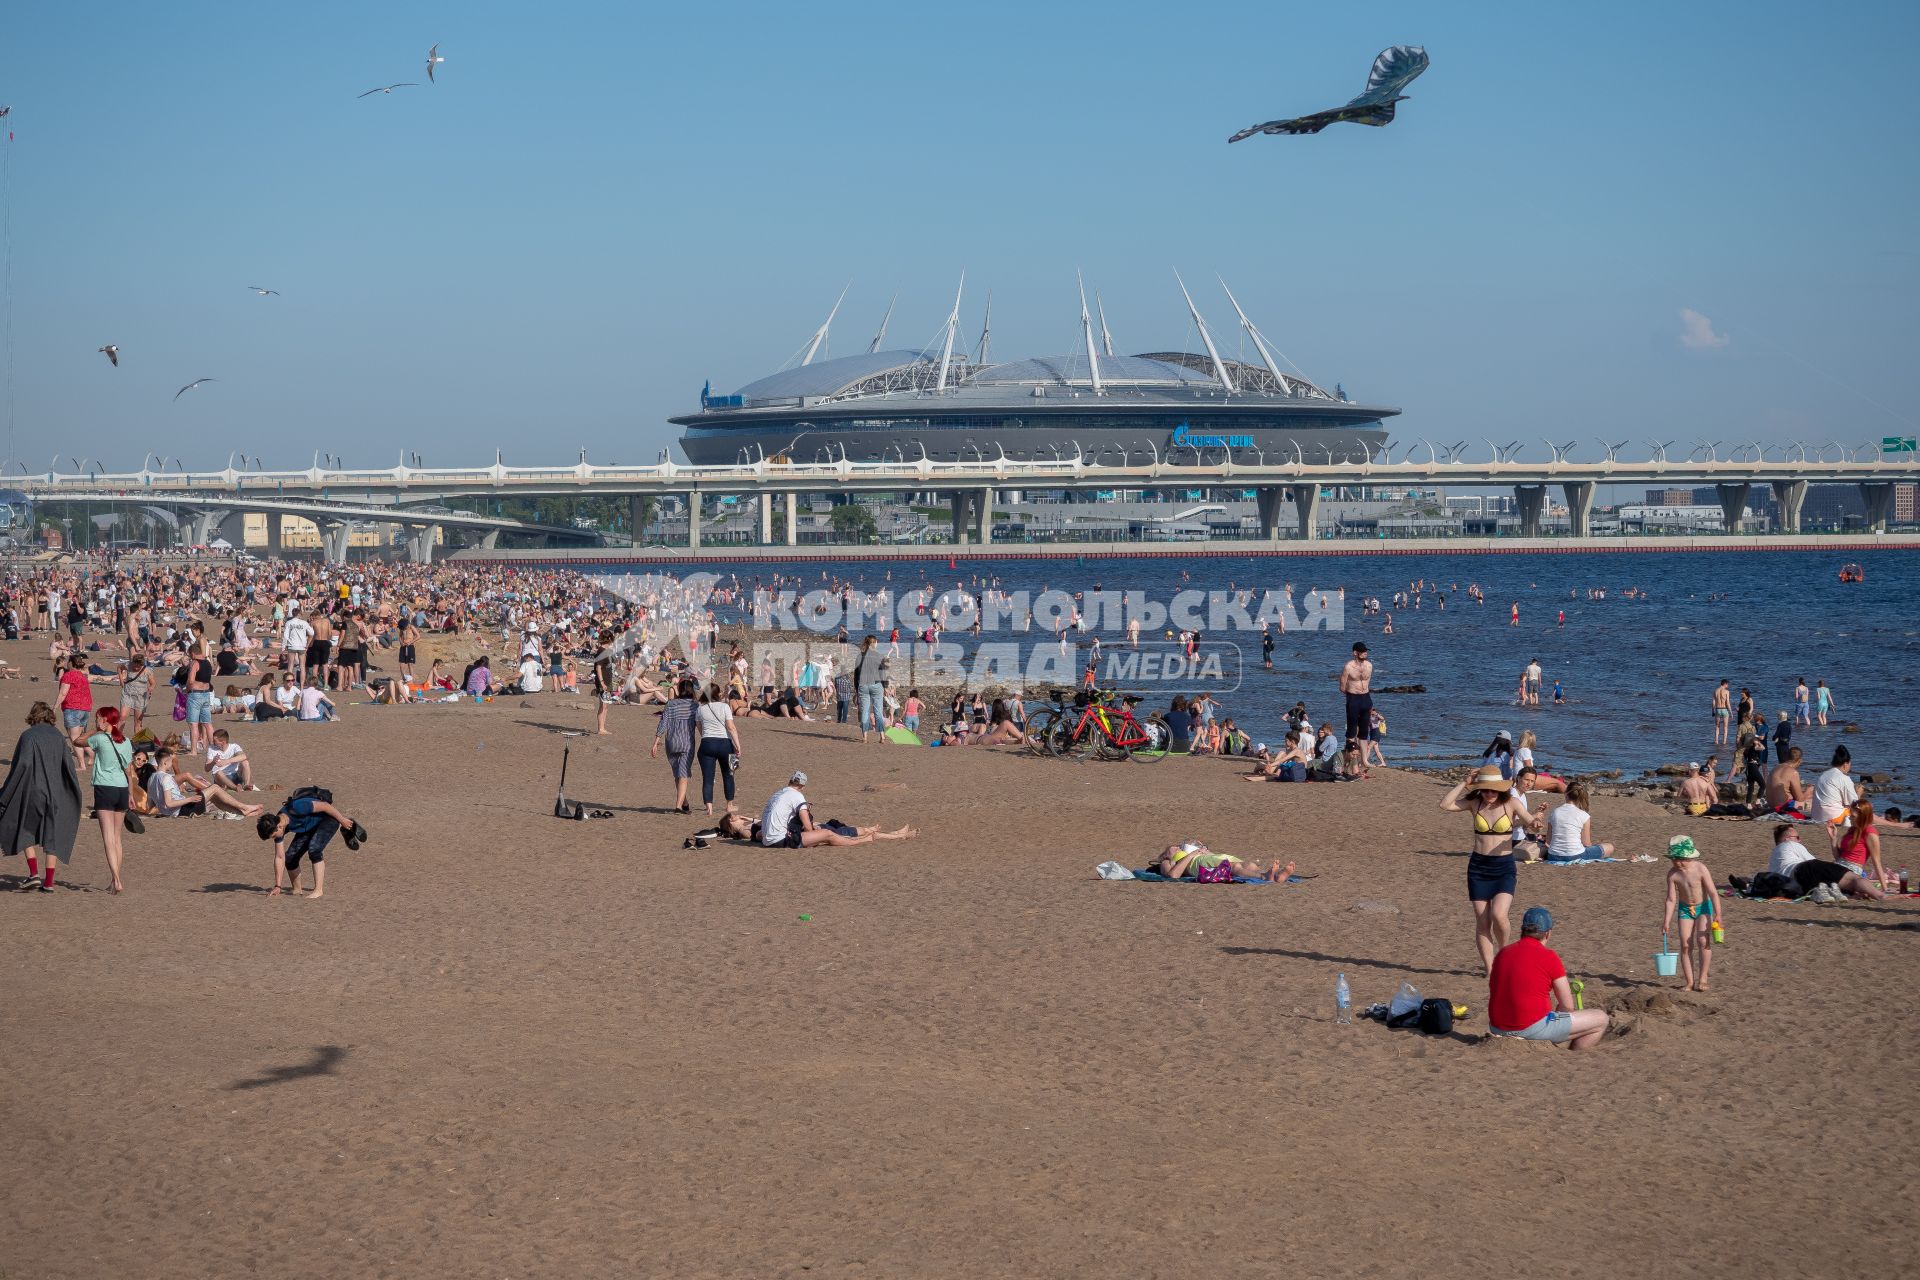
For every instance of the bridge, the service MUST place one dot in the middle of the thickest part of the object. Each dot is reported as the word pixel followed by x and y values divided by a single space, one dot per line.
pixel 969 487
pixel 205 512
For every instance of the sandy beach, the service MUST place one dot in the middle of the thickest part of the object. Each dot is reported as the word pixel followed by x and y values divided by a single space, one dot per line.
pixel 504 1045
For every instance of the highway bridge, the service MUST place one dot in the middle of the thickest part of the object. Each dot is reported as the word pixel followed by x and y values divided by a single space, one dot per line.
pixel 1281 485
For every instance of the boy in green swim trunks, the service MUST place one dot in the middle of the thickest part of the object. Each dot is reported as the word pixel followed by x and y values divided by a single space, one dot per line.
pixel 1692 905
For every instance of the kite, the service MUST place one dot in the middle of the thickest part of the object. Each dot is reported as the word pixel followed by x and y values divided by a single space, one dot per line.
pixel 1393 70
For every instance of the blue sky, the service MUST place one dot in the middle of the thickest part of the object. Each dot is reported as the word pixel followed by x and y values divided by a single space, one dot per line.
pixel 600 206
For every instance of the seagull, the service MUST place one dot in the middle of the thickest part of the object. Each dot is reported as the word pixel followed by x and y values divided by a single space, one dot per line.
pixel 433 56
pixel 1393 70
pixel 404 84
pixel 264 292
pixel 112 353
pixel 191 385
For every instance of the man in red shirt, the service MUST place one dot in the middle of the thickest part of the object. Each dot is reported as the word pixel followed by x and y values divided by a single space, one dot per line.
pixel 1528 995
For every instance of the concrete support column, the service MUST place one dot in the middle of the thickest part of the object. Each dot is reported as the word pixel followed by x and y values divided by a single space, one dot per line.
pixel 333 541
pixel 1789 496
pixel 233 527
pixel 636 516
pixel 274 545
pixel 693 521
pixel 766 519
pixel 1532 500
pixel 199 525
pixel 420 543
pixel 1269 500
pixel 793 519
pixel 1306 508
pixel 490 539
pixel 1878 499
pixel 960 507
pixel 1733 504
pixel 1580 506
pixel 983 515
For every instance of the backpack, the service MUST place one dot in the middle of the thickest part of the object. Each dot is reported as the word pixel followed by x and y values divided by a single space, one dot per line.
pixel 321 794
pixel 1436 1016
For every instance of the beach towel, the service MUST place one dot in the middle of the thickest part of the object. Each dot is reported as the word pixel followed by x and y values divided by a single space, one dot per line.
pixel 1584 862
pixel 902 734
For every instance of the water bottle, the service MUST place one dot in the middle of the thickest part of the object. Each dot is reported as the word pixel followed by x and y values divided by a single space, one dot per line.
pixel 1342 1002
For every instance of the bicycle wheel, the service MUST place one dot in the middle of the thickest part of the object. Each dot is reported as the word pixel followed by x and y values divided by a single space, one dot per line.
pixel 1159 740
pixel 1063 744
pixel 1040 728
pixel 1107 749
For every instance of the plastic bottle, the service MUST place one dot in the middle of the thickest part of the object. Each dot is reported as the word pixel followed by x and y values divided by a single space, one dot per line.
pixel 1342 1002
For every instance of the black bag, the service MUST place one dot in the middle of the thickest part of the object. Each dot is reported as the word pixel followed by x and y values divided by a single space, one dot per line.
pixel 321 794
pixel 1436 1017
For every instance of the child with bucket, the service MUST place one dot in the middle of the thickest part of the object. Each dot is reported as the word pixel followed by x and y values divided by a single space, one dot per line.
pixel 1693 904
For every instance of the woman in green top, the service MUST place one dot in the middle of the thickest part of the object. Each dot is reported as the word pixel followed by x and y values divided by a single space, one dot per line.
pixel 108 753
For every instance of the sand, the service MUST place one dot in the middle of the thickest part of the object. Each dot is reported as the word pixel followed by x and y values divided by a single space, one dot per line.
pixel 507 1046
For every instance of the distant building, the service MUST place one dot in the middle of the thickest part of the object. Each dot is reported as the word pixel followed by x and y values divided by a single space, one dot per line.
pixel 1669 497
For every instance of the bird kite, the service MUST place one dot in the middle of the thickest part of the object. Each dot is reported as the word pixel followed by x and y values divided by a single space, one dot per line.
pixel 1393 71
pixel 404 84
pixel 264 292
pixel 111 352
pixel 191 385
pixel 433 56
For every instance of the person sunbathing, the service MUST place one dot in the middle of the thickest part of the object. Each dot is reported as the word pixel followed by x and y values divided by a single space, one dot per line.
pixel 833 832
pixel 1185 860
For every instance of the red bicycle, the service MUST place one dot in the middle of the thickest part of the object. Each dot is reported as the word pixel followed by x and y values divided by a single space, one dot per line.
pixel 1103 722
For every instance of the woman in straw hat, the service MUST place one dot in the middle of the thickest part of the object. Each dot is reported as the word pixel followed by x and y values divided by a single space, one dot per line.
pixel 1491 876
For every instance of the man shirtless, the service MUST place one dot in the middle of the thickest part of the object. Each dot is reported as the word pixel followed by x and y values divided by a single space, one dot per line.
pixel 1787 795
pixel 1697 791
pixel 1722 713
pixel 1356 681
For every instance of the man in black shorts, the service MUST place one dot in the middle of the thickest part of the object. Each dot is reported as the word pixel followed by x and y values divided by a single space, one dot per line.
pixel 302 828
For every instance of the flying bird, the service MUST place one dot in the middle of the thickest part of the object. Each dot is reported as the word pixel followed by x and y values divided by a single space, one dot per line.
pixel 264 292
pixel 191 385
pixel 404 84
pixel 433 56
pixel 1393 70
pixel 112 353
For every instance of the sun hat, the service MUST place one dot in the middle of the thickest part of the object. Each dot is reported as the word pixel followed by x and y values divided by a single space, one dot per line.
pixel 1537 920
pixel 1680 848
pixel 1488 779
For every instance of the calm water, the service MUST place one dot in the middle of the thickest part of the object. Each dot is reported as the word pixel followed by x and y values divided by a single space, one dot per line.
pixel 1638 674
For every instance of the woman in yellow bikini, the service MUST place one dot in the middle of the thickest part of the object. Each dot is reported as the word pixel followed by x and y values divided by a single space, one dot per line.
pixel 1491 876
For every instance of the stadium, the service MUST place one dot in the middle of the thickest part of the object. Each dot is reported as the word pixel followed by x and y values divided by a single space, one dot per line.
pixel 1171 407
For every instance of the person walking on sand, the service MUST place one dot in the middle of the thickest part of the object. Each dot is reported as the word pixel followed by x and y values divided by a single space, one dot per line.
pixel 676 732
pixel 1692 904
pixel 606 686
pixel 107 756
pixel 1722 713
pixel 1491 875
pixel 40 800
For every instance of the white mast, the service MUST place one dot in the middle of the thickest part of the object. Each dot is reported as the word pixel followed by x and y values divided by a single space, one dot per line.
pixel 1259 343
pixel 1219 366
pixel 881 336
pixel 953 323
pixel 1106 339
pixel 986 329
pixel 820 334
pixel 1086 331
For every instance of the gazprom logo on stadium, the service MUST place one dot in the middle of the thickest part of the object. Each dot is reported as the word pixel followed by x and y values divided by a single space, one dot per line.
pixel 1182 438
